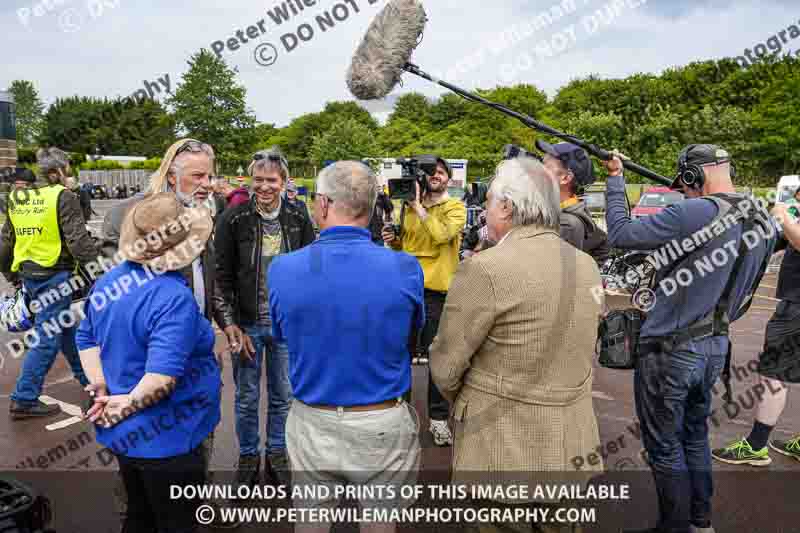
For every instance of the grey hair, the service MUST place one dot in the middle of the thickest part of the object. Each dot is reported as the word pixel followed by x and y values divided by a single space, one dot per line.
pixel 51 159
pixel 532 191
pixel 266 164
pixel 351 185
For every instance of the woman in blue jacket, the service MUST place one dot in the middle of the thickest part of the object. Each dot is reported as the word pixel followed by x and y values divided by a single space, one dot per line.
pixel 148 353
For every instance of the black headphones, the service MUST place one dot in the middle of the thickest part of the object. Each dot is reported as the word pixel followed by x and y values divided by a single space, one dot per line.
pixel 693 176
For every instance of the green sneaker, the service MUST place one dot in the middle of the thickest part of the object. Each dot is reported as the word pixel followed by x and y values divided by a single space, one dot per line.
pixel 740 453
pixel 790 448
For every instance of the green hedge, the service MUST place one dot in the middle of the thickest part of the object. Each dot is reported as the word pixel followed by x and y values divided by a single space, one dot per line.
pixel 151 164
pixel 102 165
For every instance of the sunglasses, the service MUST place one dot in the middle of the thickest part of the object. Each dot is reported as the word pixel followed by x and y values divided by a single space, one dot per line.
pixel 192 146
pixel 272 157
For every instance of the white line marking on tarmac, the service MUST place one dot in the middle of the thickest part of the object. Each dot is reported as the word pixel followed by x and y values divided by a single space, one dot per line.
pixel 601 395
pixel 68 408
pixel 766 297
pixel 616 418
pixel 64 423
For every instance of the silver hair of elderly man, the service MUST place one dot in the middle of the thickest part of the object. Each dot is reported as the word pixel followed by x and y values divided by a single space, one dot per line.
pixel 532 191
pixel 50 159
pixel 351 185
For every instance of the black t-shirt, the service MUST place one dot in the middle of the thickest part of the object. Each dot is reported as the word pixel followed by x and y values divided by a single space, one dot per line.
pixel 383 210
pixel 789 276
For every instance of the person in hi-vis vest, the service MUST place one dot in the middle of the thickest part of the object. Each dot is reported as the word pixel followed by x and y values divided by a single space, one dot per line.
pixel 43 237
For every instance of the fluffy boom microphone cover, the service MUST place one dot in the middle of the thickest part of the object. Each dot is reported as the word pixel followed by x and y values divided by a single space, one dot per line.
pixel 391 38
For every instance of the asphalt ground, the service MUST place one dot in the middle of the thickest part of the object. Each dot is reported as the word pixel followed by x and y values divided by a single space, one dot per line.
pixel 73 471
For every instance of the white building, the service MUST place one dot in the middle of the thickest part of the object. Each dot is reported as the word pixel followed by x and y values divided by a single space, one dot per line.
pixel 121 159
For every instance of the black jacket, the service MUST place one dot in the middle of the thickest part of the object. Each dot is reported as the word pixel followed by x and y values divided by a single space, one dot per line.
pixel 578 229
pixel 383 210
pixel 237 241
pixel 219 204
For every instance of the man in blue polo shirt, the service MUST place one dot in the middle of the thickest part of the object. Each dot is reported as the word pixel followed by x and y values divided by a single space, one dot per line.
pixel 346 308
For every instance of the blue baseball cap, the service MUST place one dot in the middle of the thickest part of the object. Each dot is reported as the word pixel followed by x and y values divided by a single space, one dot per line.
pixel 573 157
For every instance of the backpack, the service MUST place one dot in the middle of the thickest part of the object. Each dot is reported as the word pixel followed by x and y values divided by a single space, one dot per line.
pixel 618 338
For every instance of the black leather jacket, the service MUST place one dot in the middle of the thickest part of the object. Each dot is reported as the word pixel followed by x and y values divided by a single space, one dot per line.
pixel 237 240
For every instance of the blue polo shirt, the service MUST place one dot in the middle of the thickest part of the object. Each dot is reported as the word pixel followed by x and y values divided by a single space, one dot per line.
pixel 346 308
pixel 145 323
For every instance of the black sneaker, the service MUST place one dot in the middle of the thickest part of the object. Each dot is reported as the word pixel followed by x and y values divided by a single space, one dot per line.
pixel 247 470
pixel 279 469
pixel 39 409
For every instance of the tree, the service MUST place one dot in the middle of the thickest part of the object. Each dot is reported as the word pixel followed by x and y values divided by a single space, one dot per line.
pixel 264 132
pixel 210 105
pixel 397 135
pixel 448 110
pixel 120 127
pixel 778 132
pixel 29 111
pixel 346 140
pixel 296 138
pixel 413 107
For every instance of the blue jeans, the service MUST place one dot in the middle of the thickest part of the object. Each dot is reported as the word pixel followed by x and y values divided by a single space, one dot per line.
pixel 247 376
pixel 46 345
pixel 673 403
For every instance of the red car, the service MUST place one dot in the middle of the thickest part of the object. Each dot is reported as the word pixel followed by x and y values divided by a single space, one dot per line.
pixel 654 200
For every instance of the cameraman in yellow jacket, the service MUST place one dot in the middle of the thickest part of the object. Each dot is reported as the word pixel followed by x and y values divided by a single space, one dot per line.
pixel 431 231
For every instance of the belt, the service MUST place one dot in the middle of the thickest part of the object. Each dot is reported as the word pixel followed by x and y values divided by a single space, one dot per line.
pixel 388 404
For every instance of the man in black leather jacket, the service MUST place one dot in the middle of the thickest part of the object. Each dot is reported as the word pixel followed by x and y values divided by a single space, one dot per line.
pixel 248 237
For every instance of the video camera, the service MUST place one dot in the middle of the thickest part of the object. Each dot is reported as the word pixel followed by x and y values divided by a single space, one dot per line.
pixel 414 170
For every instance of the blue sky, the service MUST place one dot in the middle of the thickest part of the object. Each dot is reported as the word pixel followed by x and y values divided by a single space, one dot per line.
pixel 109 47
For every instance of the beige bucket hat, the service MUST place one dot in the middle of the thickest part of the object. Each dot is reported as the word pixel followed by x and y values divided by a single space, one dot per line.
pixel 160 232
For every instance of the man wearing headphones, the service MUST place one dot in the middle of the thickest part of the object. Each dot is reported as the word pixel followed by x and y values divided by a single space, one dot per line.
pixel 684 342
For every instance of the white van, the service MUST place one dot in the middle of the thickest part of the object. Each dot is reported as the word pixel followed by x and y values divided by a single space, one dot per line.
pixel 786 189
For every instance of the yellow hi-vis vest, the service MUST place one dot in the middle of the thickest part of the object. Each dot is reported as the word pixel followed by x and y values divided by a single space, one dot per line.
pixel 34 218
